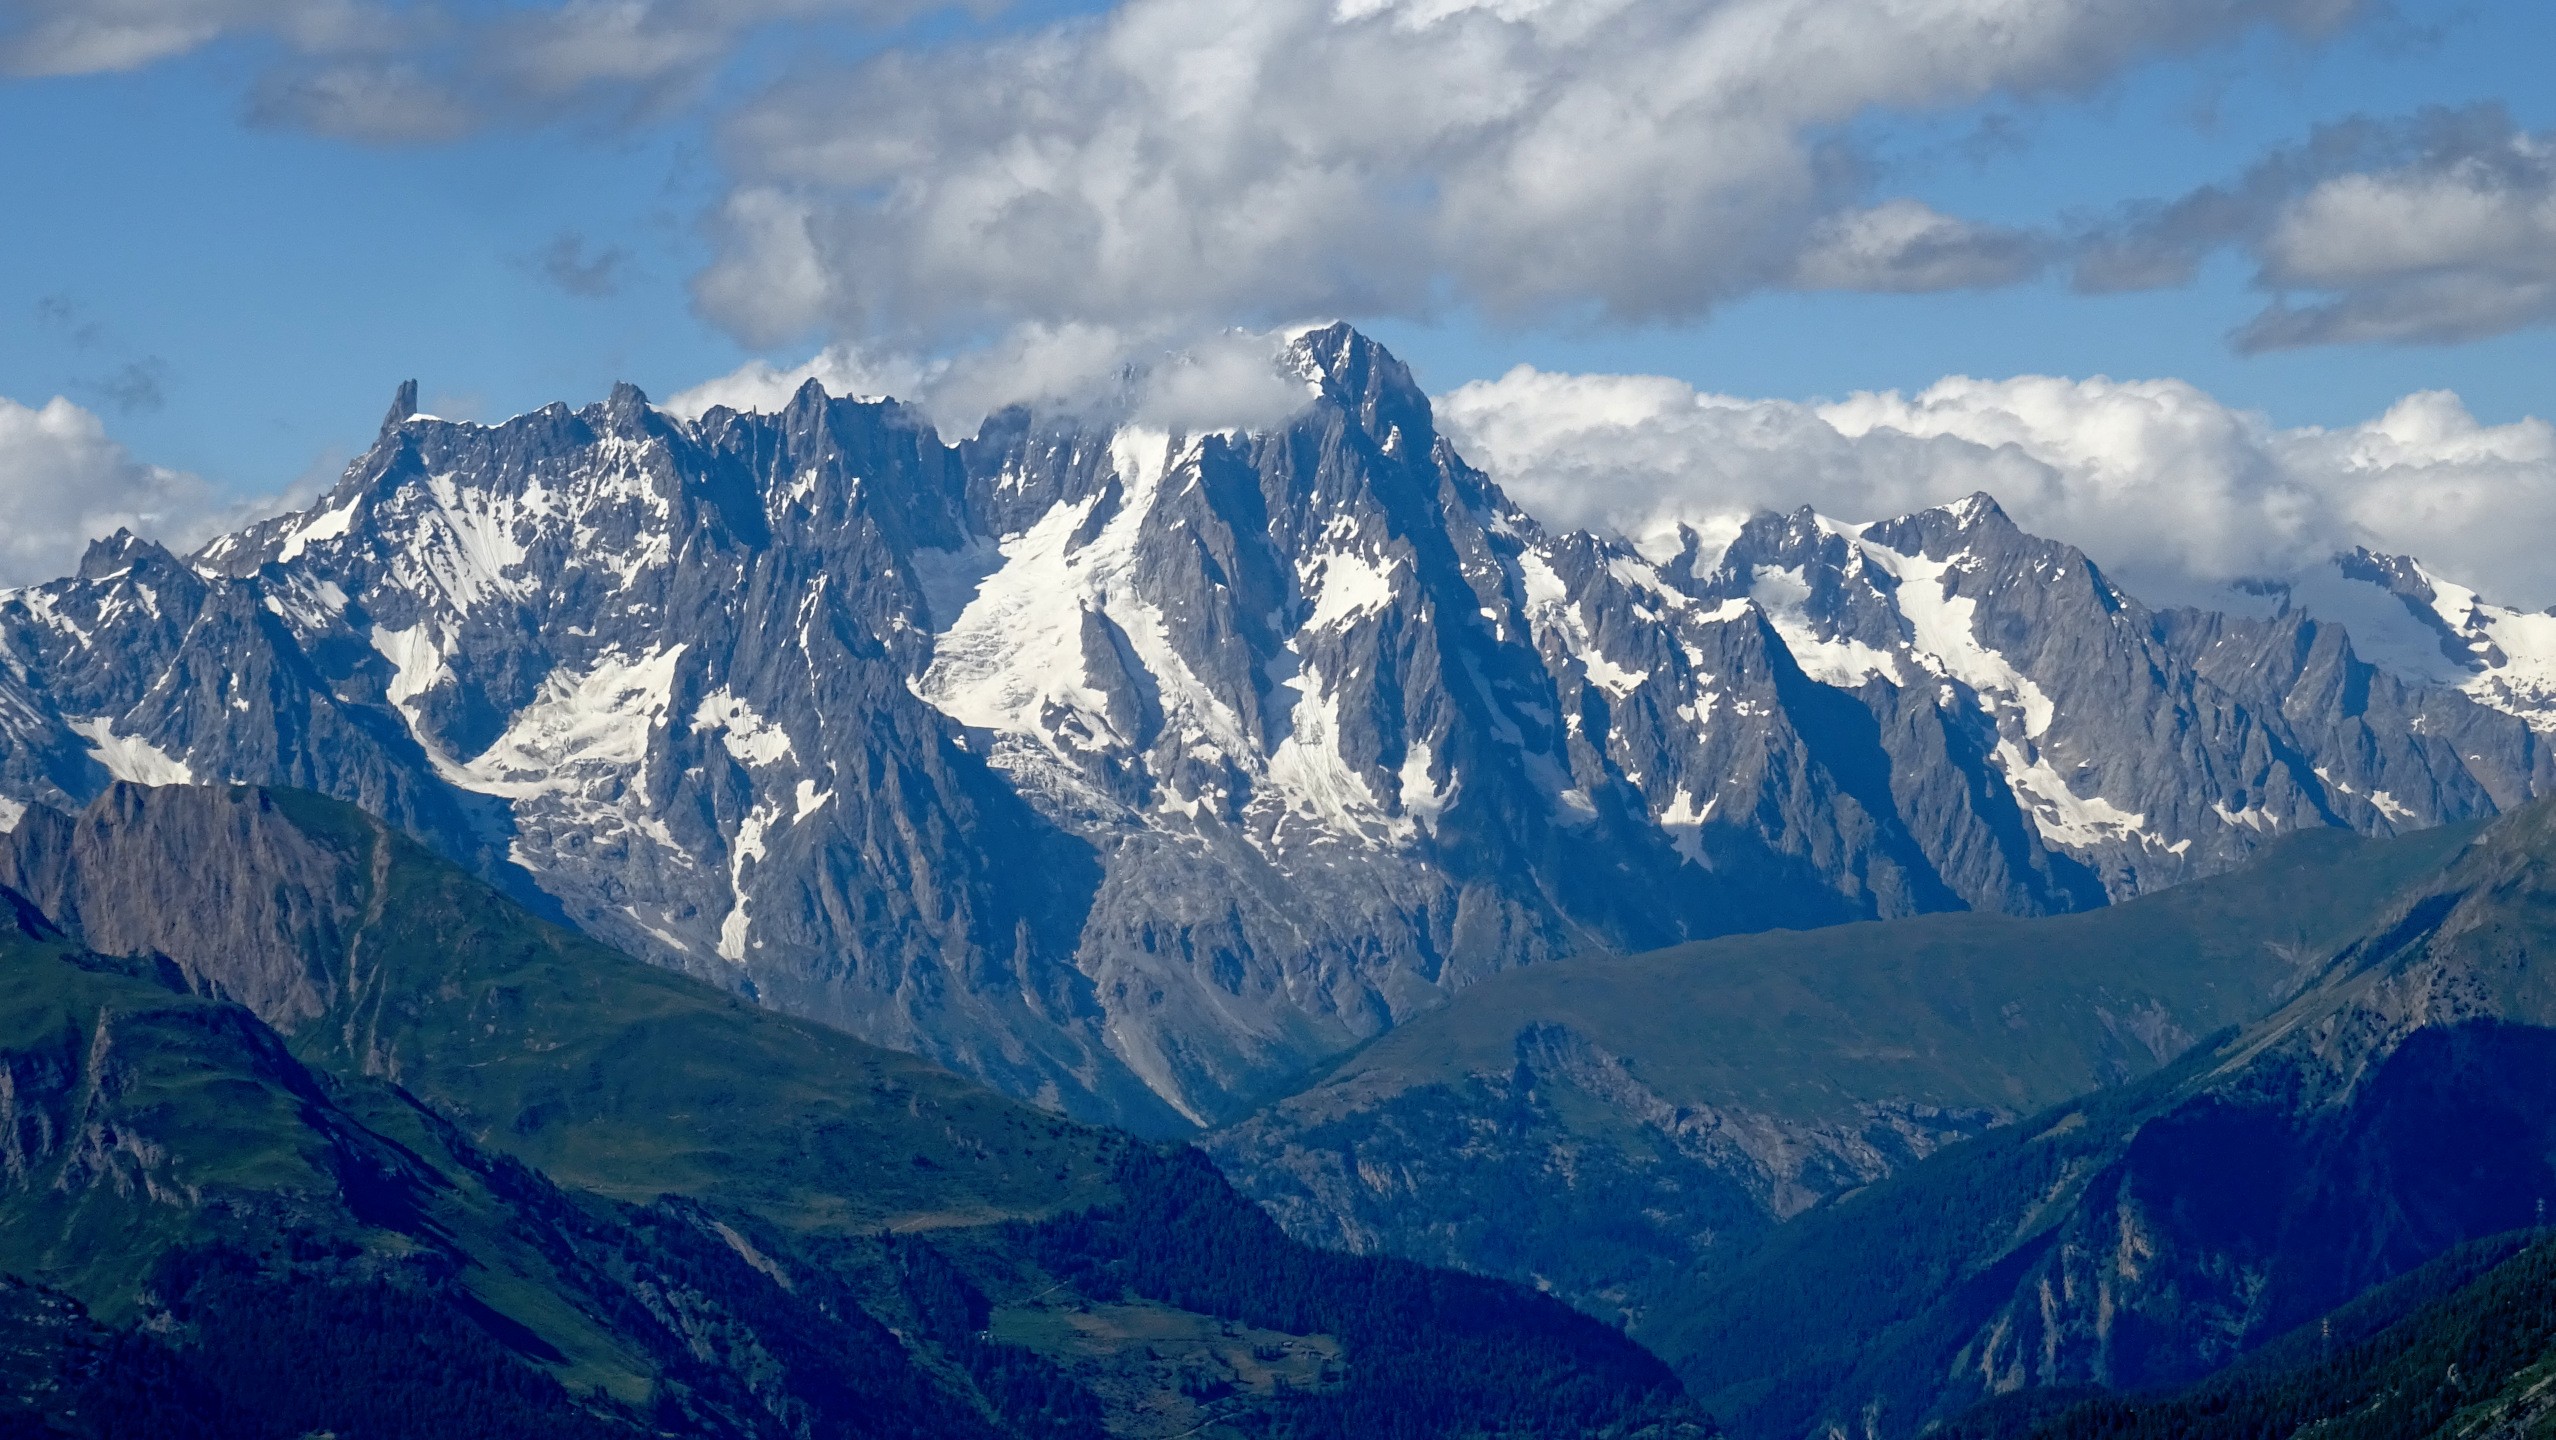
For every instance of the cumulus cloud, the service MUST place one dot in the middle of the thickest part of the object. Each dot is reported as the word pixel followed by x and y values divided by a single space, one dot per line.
pixel 2171 490
pixel 1175 165
pixel 2434 228
pixel 760 385
pixel 1224 383
pixel 1240 159
pixel 2438 252
pixel 64 482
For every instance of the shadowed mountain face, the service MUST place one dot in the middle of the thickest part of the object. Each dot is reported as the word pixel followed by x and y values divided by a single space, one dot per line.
pixel 338 1140
pixel 2397 1107
pixel 1139 773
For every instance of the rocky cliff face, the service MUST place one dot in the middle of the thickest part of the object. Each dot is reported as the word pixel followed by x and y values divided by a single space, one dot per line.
pixel 1137 772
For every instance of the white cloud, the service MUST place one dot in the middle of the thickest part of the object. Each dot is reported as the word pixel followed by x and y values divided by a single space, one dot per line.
pixel 1171 165
pixel 1230 380
pixel 761 385
pixel 399 71
pixel 86 37
pixel 2437 227
pixel 2428 252
pixel 2165 486
pixel 1202 161
pixel 2171 490
pixel 64 482
pixel 1223 383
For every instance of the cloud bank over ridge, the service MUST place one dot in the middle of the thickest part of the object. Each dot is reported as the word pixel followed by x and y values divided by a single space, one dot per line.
pixel 2171 490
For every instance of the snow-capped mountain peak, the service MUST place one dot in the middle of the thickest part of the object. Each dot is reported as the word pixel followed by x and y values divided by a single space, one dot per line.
pixel 2427 630
pixel 1138 768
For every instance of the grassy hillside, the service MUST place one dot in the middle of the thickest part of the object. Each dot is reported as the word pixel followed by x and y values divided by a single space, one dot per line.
pixel 492 1179
pixel 1609 1125
pixel 615 1076
pixel 171 1162
pixel 1956 1009
pixel 127 1106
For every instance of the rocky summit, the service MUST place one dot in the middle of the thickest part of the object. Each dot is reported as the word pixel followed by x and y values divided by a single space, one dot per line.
pixel 1139 772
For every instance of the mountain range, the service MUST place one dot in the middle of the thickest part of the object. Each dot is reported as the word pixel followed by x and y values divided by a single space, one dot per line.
pixel 1141 773
pixel 618 922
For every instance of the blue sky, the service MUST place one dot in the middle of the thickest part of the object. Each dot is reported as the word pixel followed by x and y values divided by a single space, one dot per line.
pixel 2164 128
pixel 236 296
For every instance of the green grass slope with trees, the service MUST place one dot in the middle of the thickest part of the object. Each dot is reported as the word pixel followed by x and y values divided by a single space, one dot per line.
pixel 467 1173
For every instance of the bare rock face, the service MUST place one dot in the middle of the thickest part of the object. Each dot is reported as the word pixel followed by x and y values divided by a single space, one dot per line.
pixel 1139 772
pixel 197 873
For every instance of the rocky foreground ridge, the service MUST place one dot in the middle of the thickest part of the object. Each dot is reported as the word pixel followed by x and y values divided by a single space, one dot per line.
pixel 1138 772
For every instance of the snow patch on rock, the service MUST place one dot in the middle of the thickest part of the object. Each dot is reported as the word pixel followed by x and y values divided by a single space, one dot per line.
pixel 1552 610
pixel 749 737
pixel 744 854
pixel 1784 596
pixel 1684 825
pixel 2064 817
pixel 2252 817
pixel 327 525
pixel 130 757
pixel 1944 632
pixel 1309 775
pixel 463 546
pixel 584 734
pixel 1346 587
pixel 1422 798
